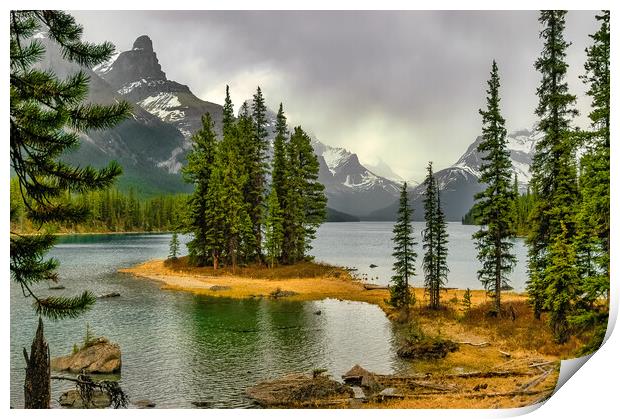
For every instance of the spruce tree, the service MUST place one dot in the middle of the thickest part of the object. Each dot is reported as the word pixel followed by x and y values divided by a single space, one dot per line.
pixel 562 276
pixel 174 246
pixel 554 178
pixel 258 168
pixel 495 205
pixel 200 163
pixel 304 198
pixel 274 230
pixel 279 171
pixel 404 254
pixel 593 219
pixel 47 116
pixel 434 239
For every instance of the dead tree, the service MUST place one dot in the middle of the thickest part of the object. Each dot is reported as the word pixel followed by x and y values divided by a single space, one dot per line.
pixel 37 392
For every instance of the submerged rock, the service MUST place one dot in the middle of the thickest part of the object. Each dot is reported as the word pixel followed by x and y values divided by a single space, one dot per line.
pixel 202 404
pixel 372 265
pixel 57 287
pixel 100 356
pixel 110 295
pixel 72 399
pixel 300 390
pixel 144 404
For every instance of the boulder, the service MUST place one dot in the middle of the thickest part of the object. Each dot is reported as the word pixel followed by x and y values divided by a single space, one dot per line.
pixel 144 404
pixel 73 400
pixel 297 390
pixel 98 357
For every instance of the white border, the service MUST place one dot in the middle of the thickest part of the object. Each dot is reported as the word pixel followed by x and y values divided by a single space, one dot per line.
pixel 590 394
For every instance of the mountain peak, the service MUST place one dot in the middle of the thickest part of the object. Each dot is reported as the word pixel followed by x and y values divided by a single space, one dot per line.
pixel 139 63
pixel 143 43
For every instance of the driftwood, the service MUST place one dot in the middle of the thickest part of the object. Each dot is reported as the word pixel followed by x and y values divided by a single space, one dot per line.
pixel 506 354
pixel 490 374
pixel 479 345
pixel 375 287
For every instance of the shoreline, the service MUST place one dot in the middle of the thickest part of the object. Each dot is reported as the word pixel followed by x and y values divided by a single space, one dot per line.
pixel 333 282
pixel 485 344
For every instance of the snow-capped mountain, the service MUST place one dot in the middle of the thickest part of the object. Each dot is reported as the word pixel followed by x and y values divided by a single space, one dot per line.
pixel 136 75
pixel 459 183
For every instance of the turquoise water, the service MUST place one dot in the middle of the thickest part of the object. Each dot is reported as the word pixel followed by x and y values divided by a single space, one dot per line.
pixel 178 348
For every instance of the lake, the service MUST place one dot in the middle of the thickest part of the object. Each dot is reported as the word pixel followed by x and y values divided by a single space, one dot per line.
pixel 178 348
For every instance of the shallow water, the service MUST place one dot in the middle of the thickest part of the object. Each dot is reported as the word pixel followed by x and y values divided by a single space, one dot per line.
pixel 178 348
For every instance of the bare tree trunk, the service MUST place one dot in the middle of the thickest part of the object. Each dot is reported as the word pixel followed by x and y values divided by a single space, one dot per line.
pixel 37 392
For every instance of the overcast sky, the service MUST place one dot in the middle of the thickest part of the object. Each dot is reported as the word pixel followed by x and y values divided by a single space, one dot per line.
pixel 403 87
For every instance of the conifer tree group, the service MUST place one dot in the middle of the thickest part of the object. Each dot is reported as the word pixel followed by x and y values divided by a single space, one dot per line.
pixel 236 217
pixel 435 241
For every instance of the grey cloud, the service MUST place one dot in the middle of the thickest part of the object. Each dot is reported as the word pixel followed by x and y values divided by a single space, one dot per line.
pixel 375 82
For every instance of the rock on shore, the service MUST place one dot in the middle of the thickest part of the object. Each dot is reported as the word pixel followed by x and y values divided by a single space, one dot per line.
pixel 73 400
pixel 99 357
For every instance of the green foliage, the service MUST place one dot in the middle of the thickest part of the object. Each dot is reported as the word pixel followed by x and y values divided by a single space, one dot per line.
pixel 592 243
pixel 495 205
pixel 404 264
pixel 274 230
pixel 435 241
pixel 89 337
pixel 174 246
pixel 554 179
pixel 562 276
pixel 47 116
pixel 467 299
pixel 198 171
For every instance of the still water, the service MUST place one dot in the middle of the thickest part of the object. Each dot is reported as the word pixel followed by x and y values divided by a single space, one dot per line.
pixel 179 348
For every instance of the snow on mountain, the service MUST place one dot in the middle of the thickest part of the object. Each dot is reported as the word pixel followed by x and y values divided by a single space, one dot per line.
pixel 350 186
pixel 137 76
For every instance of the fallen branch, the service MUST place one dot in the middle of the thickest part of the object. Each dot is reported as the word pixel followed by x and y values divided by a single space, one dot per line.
pixel 481 345
pixel 510 393
pixel 541 364
pixel 506 354
pixel 489 374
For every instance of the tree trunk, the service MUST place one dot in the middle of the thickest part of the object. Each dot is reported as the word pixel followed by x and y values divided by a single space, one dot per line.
pixel 37 392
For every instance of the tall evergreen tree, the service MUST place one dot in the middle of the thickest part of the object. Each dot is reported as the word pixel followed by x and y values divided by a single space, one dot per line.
pixel 434 239
pixel 593 219
pixel 258 168
pixel 174 246
pixel 279 171
pixel 47 115
pixel 404 254
pixel 495 205
pixel 198 171
pixel 274 231
pixel 554 178
pixel 305 197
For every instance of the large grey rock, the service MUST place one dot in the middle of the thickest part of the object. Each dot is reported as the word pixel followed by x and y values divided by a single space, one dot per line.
pixel 101 357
